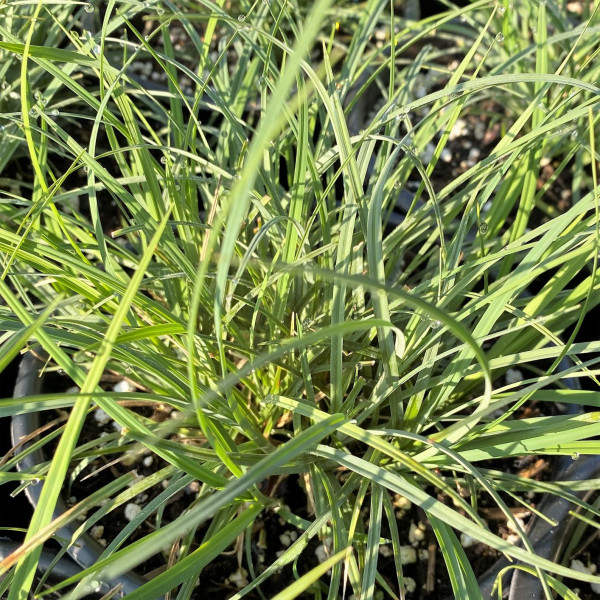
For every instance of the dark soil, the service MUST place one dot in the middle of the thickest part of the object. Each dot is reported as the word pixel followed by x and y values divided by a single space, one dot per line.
pixel 429 571
pixel 271 535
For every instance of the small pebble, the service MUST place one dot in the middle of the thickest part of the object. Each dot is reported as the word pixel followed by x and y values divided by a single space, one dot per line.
pixel 421 92
pixel 192 488
pixel 284 539
pixel 408 555
pixel 458 130
pixel 513 376
pixel 446 155
pixel 323 551
pixel 479 130
pixel 386 550
pixel 416 533
pixel 132 511
pixel 239 578
pixel 101 417
pixel 427 154
pixel 402 502
pixel 410 584
pixel 148 461
pixel 578 566
pixel 474 154
pixel 97 531
pixel 117 427
pixel 123 386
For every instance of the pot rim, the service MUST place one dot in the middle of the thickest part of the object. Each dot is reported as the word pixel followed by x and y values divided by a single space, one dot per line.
pixel 86 551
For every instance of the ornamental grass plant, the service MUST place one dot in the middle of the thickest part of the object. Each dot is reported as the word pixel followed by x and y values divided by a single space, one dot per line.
pixel 248 211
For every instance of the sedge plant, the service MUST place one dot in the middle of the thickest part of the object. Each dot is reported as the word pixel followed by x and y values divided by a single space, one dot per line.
pixel 246 212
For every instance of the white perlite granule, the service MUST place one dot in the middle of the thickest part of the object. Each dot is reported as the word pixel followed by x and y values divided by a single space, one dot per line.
pixel 408 555
pixel 123 386
pixel 132 511
pixel 239 578
pixel 323 551
pixel 101 417
pixel 513 376
pixel 577 565
pixel 410 584
pixel 416 533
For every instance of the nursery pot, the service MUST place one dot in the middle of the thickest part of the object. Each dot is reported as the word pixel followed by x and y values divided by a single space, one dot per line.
pixel 61 569
pixel 86 550
pixel 546 539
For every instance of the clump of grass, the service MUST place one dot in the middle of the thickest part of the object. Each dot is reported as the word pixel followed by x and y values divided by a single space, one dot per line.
pixel 223 235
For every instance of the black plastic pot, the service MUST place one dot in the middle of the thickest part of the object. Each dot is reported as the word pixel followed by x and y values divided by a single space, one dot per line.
pixel 62 568
pixel 547 540
pixel 86 551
